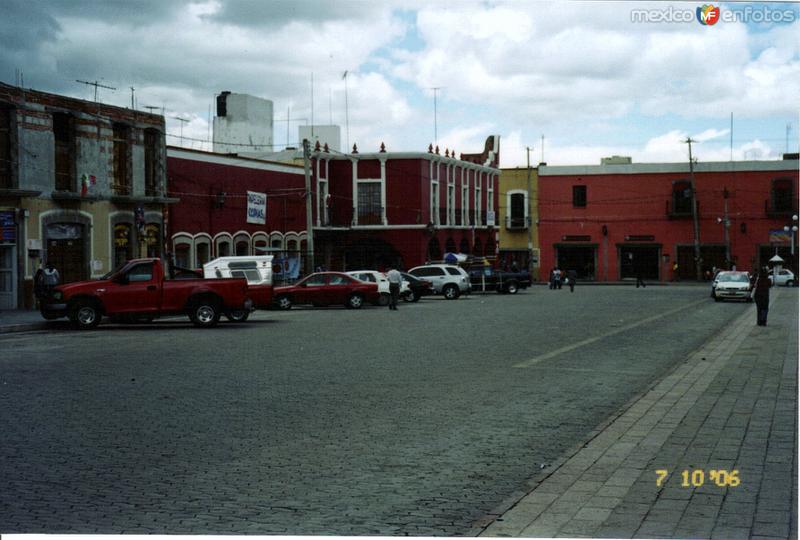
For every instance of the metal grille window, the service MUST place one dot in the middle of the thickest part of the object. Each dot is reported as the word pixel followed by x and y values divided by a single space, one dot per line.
pixel 681 198
pixel 5 147
pixel 121 179
pixel 369 203
pixel 516 217
pixel 62 132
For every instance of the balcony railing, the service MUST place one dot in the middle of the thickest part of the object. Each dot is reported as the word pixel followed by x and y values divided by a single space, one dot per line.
pixel 121 189
pixel 779 210
pixel 370 217
pixel 514 222
pixel 683 210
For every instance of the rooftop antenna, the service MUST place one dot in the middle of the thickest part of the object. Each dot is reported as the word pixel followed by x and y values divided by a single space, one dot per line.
pixel 346 112
pixel 133 96
pixel 182 121
pixel 788 130
pixel 542 148
pixel 151 108
pixel 96 84
pixel 312 104
pixel 435 123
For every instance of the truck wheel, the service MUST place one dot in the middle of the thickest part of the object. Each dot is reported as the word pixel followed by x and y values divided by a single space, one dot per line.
pixel 283 302
pixel 205 313
pixel 512 288
pixel 85 315
pixel 237 315
pixel 451 292
pixel 355 301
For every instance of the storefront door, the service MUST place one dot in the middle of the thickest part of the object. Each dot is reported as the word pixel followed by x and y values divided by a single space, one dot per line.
pixel 638 260
pixel 8 277
pixel 66 250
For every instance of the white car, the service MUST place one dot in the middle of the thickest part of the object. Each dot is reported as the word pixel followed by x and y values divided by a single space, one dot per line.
pixel 448 280
pixel 372 276
pixel 732 286
pixel 784 277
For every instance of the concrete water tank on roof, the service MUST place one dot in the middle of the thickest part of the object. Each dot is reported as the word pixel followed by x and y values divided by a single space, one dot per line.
pixel 243 123
pixel 616 160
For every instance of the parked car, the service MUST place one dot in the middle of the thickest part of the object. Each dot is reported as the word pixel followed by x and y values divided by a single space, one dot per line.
pixel 417 288
pixel 256 269
pixel 784 277
pixel 448 280
pixel 486 278
pixel 373 276
pixel 732 285
pixel 325 289
pixel 139 289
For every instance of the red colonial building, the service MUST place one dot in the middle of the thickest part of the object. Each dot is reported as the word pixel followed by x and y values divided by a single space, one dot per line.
pixel 610 221
pixel 373 210
pixel 211 219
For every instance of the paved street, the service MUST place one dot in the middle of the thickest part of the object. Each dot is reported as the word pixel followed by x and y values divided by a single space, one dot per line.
pixel 431 420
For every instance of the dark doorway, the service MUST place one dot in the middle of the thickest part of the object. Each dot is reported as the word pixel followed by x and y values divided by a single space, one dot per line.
pixel 636 260
pixel 579 258
pixel 710 257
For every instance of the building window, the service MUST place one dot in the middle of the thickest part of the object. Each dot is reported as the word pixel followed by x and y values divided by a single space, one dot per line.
pixel 203 249
pixel 121 182
pixel 151 138
pixel 782 198
pixel 242 248
pixel 324 203
pixel 517 211
pixel 369 203
pixel 681 198
pixel 463 247
pixel 465 202
pixel 434 250
pixel 123 243
pixel 435 203
pixel 64 155
pixel 152 237
pixel 5 147
pixel 451 204
pixel 223 248
pixel 183 255
pixel 579 196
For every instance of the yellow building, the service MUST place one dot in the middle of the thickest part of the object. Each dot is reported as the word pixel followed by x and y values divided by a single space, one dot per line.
pixel 519 217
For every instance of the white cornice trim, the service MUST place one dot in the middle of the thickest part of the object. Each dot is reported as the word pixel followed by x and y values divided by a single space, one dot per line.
pixel 788 165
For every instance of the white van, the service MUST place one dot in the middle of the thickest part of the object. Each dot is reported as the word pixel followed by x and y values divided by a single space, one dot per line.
pixel 256 269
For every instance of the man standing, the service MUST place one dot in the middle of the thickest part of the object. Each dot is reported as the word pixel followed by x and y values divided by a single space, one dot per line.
pixel 761 297
pixel 51 277
pixel 395 280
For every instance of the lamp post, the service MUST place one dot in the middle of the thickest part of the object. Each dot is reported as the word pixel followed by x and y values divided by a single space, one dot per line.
pixel 792 227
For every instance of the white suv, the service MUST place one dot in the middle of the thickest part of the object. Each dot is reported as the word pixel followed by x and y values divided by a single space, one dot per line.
pixel 448 280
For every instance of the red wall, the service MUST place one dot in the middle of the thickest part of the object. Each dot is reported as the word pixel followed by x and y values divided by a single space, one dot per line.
pixel 197 183
pixel 635 204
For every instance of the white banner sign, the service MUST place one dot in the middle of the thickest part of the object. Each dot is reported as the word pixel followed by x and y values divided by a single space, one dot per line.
pixel 256 207
pixel 490 218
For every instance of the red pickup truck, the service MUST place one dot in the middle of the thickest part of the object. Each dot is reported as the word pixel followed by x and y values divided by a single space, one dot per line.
pixel 139 289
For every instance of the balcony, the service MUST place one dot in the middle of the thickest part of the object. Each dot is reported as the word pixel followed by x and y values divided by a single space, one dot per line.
pixel 517 223
pixel 779 208
pixel 121 190
pixel 372 216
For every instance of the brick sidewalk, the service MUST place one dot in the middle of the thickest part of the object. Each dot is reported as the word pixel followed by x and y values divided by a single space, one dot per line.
pixel 731 406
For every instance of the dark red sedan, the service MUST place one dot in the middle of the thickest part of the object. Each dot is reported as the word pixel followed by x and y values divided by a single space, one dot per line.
pixel 325 289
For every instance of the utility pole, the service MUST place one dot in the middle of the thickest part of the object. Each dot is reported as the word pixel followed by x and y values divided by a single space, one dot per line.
pixel 726 223
pixel 695 220
pixel 529 223
pixel 96 85
pixel 133 100
pixel 542 160
pixel 309 215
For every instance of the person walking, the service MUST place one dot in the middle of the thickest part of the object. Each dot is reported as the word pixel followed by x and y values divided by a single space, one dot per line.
pixel 675 276
pixel 572 277
pixel 761 297
pixel 395 280
pixel 557 278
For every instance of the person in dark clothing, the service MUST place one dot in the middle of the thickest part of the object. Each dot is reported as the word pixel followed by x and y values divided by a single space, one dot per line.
pixel 572 276
pixel 514 266
pixel 761 297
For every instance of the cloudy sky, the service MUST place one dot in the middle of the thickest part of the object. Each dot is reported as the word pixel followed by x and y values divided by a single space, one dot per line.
pixel 594 78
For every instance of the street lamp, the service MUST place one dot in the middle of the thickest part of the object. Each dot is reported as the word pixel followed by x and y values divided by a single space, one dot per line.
pixel 792 227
